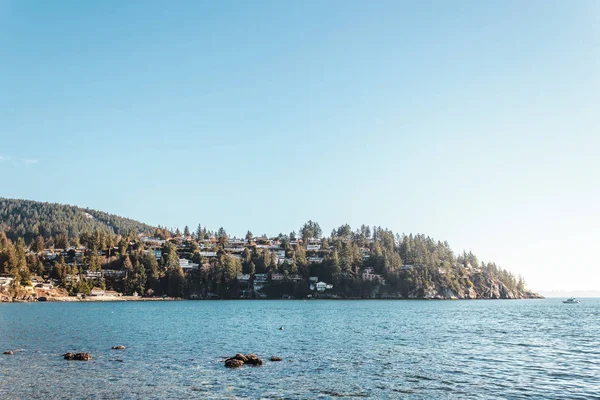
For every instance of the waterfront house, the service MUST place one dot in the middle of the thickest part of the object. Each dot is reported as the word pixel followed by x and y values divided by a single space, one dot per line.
pixel 6 280
pixel 97 292
pixel 46 286
pixel 322 286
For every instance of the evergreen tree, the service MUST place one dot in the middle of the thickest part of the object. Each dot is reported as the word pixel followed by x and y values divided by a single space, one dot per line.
pixel 38 245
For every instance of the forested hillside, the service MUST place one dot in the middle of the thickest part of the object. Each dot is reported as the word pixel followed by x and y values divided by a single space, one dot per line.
pixel 28 219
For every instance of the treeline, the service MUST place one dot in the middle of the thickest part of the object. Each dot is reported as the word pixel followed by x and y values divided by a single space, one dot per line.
pixel 28 219
pixel 408 265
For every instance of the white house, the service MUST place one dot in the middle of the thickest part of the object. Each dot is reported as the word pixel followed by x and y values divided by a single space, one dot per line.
pixel 6 281
pixel 322 286
pixel 187 265
pixel 93 274
pixel 313 247
pixel 157 241
pixel 97 292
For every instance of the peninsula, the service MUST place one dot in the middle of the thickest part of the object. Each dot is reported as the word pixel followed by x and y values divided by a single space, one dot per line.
pixel 59 252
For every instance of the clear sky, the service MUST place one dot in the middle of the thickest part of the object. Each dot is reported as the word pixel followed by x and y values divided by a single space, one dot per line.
pixel 475 122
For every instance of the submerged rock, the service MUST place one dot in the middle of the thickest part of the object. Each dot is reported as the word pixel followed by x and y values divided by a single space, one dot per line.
pixel 233 363
pixel 77 356
pixel 275 358
pixel 118 347
pixel 9 352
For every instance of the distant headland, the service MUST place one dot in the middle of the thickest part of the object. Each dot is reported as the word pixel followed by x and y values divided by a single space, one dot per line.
pixel 57 252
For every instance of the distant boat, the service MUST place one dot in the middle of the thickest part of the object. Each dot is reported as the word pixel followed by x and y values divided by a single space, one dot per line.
pixel 571 300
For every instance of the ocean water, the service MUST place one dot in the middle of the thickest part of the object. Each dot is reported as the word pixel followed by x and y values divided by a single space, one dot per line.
pixel 488 349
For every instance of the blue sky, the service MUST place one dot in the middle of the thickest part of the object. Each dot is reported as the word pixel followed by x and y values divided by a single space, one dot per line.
pixel 474 122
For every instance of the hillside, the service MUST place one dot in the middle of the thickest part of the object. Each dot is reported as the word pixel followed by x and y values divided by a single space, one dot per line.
pixel 29 219
pixel 362 263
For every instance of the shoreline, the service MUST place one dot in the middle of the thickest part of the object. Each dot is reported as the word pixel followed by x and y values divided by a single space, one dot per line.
pixel 131 298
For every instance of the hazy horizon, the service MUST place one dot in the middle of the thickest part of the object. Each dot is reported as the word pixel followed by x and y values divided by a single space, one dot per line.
pixel 470 122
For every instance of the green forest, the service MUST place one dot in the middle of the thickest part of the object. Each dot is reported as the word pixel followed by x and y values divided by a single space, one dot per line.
pixel 28 219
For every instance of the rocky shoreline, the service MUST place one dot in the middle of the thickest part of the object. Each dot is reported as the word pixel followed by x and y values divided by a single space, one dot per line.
pixel 72 299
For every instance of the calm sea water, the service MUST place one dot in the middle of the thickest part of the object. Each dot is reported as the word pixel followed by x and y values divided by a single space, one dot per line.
pixel 340 349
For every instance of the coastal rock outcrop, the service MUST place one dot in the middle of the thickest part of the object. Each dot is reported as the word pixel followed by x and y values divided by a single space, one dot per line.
pixel 9 352
pixel 275 358
pixel 240 359
pixel 77 356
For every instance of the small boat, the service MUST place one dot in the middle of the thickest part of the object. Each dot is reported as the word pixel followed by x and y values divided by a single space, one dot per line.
pixel 571 300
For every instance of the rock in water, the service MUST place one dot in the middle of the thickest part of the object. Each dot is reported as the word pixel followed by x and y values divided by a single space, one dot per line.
pixel 118 347
pixel 77 356
pixel 240 359
pixel 274 358
pixel 9 352
pixel 233 363
pixel 253 359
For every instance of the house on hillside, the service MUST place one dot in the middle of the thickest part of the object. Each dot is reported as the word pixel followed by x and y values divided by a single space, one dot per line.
pixel 187 265
pixel 6 280
pixel 260 280
pixel 36 280
pixel 277 277
pixel 370 275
